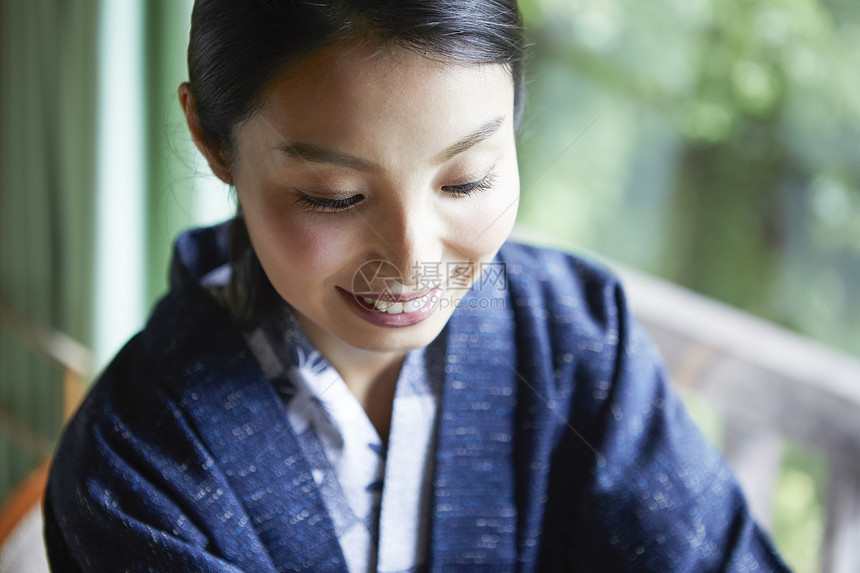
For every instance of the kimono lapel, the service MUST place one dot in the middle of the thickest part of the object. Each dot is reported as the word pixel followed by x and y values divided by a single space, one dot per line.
pixel 474 523
pixel 241 421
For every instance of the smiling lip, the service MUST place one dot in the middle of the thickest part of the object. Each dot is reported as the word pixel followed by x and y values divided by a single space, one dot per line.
pixel 391 297
pixel 387 320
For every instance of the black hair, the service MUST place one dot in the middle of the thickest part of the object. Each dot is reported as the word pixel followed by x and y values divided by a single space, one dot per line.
pixel 236 48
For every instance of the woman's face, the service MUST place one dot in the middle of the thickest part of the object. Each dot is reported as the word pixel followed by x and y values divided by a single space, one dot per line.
pixel 378 174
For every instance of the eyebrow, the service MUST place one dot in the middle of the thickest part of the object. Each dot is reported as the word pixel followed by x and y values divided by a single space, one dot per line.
pixel 317 154
pixel 481 134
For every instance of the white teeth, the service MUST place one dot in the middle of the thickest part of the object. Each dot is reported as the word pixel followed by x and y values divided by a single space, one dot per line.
pixel 382 305
pixel 413 305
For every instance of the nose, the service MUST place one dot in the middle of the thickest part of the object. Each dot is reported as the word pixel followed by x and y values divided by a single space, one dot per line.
pixel 412 242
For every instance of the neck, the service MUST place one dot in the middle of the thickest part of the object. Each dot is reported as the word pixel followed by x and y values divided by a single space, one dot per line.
pixel 370 376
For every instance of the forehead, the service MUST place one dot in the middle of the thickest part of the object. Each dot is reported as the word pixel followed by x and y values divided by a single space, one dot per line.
pixel 356 93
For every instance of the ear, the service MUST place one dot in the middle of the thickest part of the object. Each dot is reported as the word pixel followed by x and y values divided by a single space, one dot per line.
pixel 214 156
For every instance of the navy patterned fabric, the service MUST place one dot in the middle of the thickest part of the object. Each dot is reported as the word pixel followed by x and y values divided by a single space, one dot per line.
pixel 560 446
pixel 370 490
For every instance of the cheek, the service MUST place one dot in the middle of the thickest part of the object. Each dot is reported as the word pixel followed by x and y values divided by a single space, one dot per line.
pixel 492 219
pixel 298 248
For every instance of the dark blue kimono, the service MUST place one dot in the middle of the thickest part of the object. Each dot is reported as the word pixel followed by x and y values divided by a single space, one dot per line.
pixel 560 446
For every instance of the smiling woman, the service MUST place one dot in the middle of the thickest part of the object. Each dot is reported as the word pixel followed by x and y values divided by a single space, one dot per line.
pixel 388 179
pixel 359 372
pixel 365 181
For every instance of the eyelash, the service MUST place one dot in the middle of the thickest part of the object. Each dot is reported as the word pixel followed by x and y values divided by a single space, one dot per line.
pixel 312 203
pixel 323 205
pixel 468 188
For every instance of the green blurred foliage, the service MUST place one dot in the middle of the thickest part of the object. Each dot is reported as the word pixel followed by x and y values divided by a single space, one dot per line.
pixel 712 142
pixel 798 515
pixel 715 143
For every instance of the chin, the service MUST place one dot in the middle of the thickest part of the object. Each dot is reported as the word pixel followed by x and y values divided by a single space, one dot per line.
pixel 397 339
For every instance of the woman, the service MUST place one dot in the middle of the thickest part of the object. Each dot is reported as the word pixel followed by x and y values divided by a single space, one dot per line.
pixel 360 374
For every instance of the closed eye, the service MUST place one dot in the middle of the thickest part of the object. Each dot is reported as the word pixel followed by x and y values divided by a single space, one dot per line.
pixel 467 189
pixel 324 205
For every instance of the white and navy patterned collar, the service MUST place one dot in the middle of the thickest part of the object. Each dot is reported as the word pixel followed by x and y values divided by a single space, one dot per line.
pixel 379 499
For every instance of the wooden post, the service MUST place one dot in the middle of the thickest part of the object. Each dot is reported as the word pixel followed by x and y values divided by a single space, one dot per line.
pixel 756 458
pixel 74 388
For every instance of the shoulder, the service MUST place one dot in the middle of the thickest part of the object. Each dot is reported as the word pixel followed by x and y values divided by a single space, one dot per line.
pixel 135 478
pixel 547 263
pixel 568 293
pixel 132 411
pixel 138 462
pixel 555 277
pixel 142 406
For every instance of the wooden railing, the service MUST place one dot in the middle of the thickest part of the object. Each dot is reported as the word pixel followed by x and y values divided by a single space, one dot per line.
pixel 20 532
pixel 75 360
pixel 771 387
